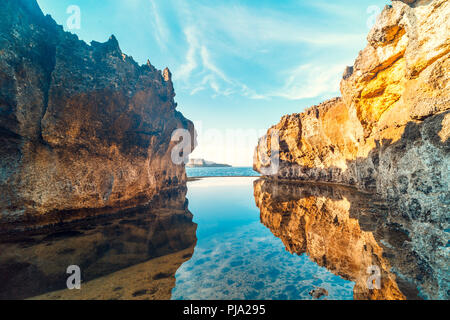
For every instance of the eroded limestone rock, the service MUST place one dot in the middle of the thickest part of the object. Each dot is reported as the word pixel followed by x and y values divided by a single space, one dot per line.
pixel 81 126
pixel 389 132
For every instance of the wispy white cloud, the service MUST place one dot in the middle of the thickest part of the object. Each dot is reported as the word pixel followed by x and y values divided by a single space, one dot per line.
pixel 200 72
pixel 214 33
pixel 243 24
pixel 190 64
pixel 246 91
pixel 215 75
pixel 208 64
pixel 310 81
pixel 196 90
pixel 161 31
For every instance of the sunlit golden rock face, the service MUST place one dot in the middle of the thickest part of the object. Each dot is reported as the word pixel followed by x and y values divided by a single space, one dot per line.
pixel 316 220
pixel 401 78
pixel 388 133
pixel 402 75
pixel 81 126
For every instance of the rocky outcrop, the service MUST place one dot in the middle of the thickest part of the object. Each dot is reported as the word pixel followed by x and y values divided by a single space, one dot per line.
pixel 397 94
pixel 201 163
pixel 350 233
pixel 389 132
pixel 81 126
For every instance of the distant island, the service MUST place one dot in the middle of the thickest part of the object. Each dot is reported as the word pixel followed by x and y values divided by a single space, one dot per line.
pixel 197 163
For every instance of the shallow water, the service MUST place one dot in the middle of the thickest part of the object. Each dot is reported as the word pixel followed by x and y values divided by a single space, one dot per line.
pixel 238 238
pixel 237 257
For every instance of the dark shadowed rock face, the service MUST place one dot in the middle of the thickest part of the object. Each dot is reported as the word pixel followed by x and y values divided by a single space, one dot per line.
pixel 131 255
pixel 81 126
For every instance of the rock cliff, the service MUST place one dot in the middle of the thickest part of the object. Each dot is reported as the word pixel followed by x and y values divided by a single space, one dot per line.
pixel 81 126
pixel 389 132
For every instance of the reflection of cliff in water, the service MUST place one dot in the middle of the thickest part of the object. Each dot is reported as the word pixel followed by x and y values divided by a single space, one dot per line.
pixel 132 255
pixel 347 232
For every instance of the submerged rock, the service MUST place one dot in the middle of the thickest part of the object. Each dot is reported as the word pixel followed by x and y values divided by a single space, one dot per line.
pixel 389 132
pixel 318 293
pixel 133 254
pixel 81 126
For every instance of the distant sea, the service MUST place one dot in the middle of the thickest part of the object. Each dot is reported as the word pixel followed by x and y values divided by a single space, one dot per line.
pixel 221 172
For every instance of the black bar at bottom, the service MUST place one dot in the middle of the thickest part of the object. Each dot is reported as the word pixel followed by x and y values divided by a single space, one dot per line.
pixel 166 310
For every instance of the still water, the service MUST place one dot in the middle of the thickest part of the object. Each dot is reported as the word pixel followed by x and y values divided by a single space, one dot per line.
pixel 237 257
pixel 225 238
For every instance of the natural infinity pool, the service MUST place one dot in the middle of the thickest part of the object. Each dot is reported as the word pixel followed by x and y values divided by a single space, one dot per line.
pixel 237 257
pixel 235 238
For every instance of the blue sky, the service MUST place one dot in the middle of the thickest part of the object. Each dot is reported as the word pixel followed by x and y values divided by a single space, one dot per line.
pixel 237 65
